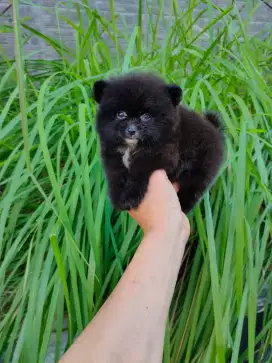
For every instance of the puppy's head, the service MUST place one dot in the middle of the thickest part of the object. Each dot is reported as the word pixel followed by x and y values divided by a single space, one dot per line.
pixel 136 109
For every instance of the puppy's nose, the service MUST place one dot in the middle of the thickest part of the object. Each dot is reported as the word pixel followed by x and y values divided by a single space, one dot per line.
pixel 131 130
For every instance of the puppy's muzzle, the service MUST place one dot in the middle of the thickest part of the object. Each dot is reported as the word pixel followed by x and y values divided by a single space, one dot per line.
pixel 131 132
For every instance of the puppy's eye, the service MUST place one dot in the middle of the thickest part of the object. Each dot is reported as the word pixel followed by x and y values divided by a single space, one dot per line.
pixel 121 115
pixel 145 117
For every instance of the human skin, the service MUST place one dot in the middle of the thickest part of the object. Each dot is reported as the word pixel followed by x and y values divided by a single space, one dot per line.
pixel 130 326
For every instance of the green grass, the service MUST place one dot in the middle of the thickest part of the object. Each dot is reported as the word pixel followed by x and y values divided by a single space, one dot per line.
pixel 63 248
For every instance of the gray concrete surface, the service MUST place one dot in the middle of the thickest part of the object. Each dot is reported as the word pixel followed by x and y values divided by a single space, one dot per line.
pixel 40 14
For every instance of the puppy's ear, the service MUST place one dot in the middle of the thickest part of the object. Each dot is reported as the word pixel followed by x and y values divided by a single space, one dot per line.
pixel 175 93
pixel 98 90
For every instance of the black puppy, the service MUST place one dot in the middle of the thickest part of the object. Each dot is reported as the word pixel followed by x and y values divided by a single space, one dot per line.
pixel 142 128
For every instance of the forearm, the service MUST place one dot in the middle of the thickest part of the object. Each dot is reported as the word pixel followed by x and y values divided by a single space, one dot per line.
pixel 130 326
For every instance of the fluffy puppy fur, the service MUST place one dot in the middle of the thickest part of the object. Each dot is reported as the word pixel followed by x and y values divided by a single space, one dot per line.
pixel 143 128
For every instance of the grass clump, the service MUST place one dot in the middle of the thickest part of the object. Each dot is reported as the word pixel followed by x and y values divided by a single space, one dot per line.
pixel 63 248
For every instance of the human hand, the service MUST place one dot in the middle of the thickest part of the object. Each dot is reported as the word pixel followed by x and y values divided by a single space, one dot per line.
pixel 160 210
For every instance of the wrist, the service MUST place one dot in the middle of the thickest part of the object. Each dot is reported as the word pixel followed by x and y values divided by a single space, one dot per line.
pixel 166 245
pixel 178 230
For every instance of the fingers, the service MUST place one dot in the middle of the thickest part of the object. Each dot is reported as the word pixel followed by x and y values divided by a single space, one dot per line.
pixel 160 209
pixel 176 187
pixel 160 176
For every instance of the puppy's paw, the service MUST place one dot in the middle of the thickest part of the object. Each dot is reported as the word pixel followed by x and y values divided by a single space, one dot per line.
pixel 127 204
pixel 129 199
pixel 130 196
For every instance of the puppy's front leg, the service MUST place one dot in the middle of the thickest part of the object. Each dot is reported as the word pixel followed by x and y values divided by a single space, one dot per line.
pixel 133 193
pixel 136 185
pixel 126 189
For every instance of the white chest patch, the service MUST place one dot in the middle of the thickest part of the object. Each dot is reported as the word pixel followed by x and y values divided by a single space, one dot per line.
pixel 126 151
pixel 126 157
